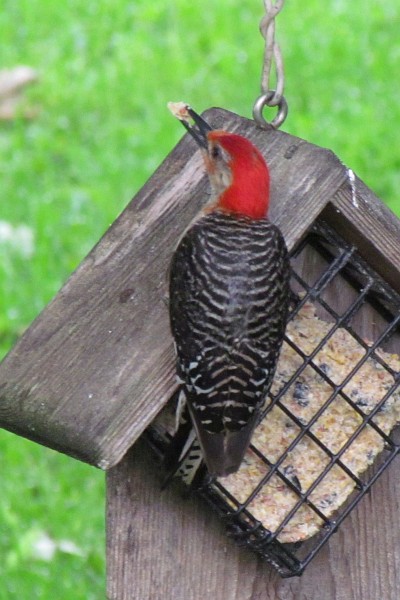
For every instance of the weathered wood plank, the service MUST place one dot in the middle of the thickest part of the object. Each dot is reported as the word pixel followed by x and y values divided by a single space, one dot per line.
pixel 97 365
pixel 371 226
pixel 166 547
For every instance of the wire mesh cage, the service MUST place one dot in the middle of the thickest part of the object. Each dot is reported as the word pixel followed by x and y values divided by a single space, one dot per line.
pixel 329 424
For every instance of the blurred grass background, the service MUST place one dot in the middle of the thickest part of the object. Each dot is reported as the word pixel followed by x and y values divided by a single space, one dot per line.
pixel 107 70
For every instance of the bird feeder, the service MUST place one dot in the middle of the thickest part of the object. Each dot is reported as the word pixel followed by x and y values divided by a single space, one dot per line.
pixel 95 371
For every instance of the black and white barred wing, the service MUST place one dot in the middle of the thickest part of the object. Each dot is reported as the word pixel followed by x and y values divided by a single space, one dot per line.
pixel 228 308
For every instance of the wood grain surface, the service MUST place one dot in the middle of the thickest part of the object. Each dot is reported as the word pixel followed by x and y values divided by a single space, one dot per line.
pixel 163 546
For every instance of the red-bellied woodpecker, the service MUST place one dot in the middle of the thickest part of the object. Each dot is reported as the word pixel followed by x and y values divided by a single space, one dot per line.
pixel 229 294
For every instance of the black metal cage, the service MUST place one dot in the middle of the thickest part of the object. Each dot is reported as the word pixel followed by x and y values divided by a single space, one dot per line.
pixel 334 409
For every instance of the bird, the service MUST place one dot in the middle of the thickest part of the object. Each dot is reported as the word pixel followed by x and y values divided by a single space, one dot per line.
pixel 228 305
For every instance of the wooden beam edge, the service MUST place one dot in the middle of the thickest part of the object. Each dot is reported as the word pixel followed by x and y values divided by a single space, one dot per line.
pixel 365 221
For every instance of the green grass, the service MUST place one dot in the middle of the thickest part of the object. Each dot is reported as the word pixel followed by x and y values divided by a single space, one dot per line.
pixel 47 500
pixel 107 70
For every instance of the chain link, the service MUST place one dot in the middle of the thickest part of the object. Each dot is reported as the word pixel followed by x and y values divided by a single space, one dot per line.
pixel 272 56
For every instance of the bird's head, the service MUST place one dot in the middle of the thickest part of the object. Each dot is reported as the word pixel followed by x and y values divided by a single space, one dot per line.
pixel 237 170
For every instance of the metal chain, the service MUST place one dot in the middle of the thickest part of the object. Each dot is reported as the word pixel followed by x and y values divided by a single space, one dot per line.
pixel 272 55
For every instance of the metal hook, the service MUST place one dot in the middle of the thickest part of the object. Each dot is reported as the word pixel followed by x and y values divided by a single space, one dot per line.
pixel 270 99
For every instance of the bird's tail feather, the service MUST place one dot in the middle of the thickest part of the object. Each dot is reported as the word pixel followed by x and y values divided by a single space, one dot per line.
pixel 183 458
pixel 224 452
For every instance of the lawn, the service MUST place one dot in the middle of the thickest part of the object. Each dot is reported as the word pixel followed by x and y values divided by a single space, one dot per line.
pixel 107 70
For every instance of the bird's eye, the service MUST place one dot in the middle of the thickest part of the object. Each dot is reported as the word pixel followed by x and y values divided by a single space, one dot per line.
pixel 215 152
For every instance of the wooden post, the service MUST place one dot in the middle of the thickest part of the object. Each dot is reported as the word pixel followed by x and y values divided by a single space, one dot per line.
pixel 162 546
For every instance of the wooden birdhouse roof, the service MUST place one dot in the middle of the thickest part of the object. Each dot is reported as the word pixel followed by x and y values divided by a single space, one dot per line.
pixel 97 365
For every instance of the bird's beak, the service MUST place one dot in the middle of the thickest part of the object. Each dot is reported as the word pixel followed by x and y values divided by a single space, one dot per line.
pixel 194 123
pixel 199 129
